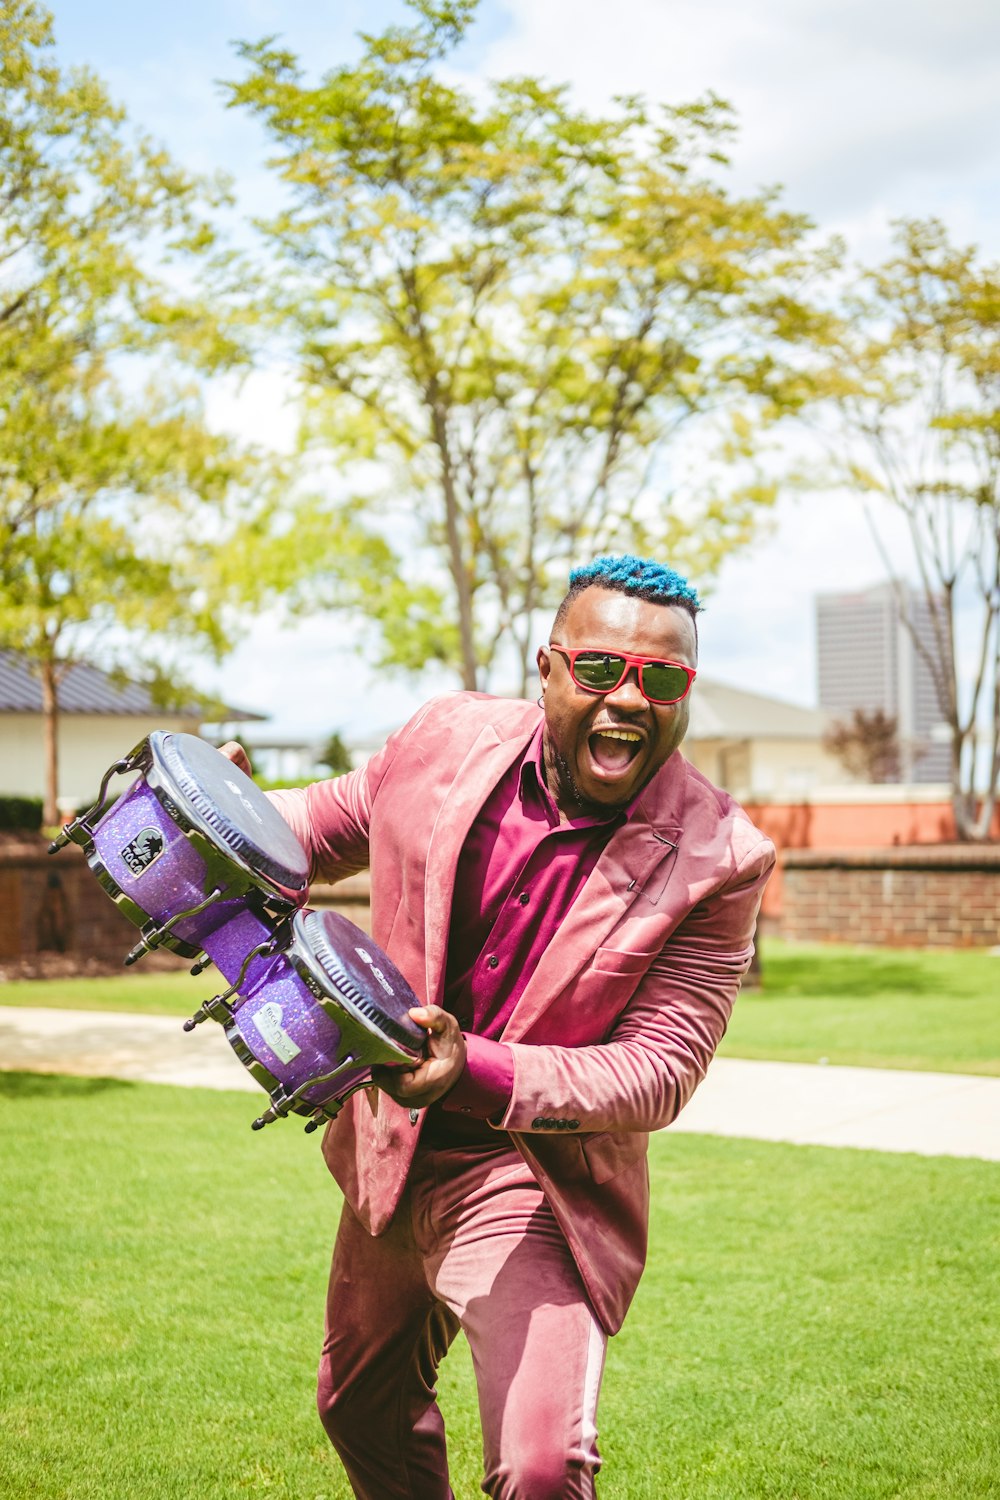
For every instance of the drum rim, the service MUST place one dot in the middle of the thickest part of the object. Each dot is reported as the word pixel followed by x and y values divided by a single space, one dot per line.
pixel 308 939
pixel 176 803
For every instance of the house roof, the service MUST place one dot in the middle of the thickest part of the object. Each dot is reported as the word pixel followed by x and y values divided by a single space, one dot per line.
pixel 718 712
pixel 721 712
pixel 87 690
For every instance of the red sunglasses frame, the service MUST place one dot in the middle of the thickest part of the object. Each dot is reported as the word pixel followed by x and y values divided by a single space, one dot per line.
pixel 572 652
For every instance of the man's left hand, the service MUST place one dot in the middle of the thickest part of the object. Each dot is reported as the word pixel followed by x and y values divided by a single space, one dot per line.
pixel 440 1070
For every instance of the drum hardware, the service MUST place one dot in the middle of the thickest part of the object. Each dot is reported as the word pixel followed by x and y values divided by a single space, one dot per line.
pixel 216 1008
pixel 153 933
pixel 283 1103
pixel 78 829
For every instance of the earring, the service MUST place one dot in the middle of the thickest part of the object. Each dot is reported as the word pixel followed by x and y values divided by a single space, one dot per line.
pixel 540 700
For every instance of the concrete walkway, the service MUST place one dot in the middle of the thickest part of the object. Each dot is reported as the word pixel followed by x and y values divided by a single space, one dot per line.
pixel 933 1114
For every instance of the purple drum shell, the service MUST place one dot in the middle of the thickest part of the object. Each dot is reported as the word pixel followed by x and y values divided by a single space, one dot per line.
pixel 282 1023
pixel 170 881
pixel 288 1031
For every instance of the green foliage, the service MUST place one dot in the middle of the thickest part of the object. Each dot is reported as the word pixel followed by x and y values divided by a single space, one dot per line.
pixel 105 501
pixel 335 755
pixel 503 311
pixel 20 814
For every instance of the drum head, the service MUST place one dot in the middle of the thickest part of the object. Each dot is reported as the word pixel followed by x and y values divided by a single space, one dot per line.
pixel 228 809
pixel 353 970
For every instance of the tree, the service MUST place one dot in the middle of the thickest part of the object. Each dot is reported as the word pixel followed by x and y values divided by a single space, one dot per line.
pixel 105 559
pixel 907 377
pixel 866 745
pixel 90 214
pixel 335 755
pixel 97 494
pixel 503 313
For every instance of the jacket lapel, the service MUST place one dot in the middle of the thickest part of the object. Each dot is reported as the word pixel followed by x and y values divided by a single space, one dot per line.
pixel 487 761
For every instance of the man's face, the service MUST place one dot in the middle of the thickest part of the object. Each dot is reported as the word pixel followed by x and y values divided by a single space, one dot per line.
pixel 585 764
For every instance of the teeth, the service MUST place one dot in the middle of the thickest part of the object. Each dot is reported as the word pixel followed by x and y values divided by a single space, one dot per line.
pixel 621 734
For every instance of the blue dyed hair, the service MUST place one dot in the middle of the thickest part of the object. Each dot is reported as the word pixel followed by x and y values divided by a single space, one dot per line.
pixel 639 576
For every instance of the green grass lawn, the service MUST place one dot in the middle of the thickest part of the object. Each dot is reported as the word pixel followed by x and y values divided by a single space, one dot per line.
pixel 172 993
pixel 872 1007
pixel 888 1008
pixel 813 1324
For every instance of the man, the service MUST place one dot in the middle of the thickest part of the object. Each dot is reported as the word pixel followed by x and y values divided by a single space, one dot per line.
pixel 576 905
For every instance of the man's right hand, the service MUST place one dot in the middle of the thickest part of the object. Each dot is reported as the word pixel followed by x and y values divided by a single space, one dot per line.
pixel 237 755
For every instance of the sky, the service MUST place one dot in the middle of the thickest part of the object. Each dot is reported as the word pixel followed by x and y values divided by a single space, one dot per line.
pixel 862 110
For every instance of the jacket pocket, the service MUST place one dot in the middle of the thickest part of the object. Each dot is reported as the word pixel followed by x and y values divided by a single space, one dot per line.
pixel 613 1151
pixel 618 961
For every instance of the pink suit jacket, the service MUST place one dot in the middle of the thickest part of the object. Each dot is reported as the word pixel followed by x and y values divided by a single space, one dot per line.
pixel 618 1023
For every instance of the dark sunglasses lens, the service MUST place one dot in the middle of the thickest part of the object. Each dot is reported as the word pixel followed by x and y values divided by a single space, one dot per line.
pixel 595 669
pixel 663 681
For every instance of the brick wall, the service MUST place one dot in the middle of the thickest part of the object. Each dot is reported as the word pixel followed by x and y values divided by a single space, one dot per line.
pixel 887 815
pixel 55 918
pixel 930 896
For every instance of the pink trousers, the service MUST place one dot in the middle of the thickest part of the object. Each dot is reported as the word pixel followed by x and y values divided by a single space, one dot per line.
pixel 474 1246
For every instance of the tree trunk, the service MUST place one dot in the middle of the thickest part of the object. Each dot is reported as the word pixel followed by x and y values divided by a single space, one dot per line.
pixel 459 572
pixel 50 733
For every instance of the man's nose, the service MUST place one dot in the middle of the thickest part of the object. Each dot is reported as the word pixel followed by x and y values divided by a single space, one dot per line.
pixel 628 695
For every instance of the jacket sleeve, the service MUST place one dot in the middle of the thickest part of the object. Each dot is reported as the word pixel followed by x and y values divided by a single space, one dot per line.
pixel 331 819
pixel 641 1075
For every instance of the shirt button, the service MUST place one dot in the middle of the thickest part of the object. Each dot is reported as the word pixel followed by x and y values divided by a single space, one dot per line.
pixel 524 898
pixel 492 961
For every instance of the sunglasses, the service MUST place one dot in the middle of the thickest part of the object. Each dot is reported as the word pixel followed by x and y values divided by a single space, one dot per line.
pixel 603 671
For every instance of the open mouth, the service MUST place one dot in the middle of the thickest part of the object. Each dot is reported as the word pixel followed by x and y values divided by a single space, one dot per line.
pixel 613 750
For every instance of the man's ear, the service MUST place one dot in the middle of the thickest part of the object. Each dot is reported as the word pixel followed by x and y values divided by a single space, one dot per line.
pixel 544 661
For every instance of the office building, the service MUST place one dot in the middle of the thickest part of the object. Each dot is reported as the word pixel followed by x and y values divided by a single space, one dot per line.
pixel 873 651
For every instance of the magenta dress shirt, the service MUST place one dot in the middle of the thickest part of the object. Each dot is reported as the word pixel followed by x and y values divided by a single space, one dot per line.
pixel 520 870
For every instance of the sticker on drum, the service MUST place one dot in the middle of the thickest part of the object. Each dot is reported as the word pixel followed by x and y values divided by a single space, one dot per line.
pixel 268 1022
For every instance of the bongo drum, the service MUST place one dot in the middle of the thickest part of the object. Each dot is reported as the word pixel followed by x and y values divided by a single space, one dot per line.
pixel 313 1005
pixel 188 846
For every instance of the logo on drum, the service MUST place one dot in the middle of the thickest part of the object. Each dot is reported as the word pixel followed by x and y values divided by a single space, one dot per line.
pixel 376 971
pixel 143 850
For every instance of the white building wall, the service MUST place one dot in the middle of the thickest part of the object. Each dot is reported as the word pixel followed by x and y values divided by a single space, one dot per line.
pixel 760 768
pixel 88 745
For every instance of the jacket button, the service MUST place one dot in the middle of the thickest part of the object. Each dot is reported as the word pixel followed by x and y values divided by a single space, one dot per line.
pixel 574 1124
pixel 537 1123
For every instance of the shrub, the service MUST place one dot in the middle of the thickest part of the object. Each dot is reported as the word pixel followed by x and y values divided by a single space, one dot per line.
pixel 20 814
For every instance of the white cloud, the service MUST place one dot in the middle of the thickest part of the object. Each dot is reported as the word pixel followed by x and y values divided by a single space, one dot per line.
pixel 856 108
